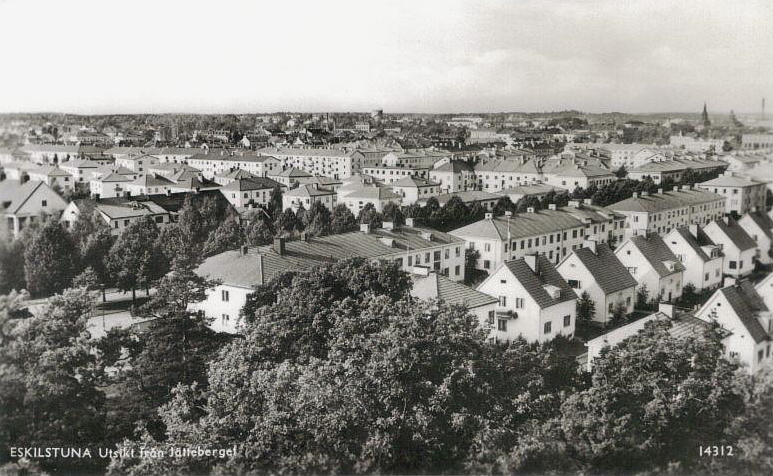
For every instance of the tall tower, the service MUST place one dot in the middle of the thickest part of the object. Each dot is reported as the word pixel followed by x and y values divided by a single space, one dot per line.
pixel 705 117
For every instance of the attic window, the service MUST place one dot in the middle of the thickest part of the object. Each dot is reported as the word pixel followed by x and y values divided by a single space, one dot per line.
pixel 43 203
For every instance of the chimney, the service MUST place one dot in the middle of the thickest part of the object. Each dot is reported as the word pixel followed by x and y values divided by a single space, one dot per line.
pixel 693 230
pixel 410 222
pixel 645 194
pixel 244 250
pixel 574 203
pixel 686 187
pixel 635 195
pixel 590 244
pixel 660 191
pixel 530 210
pixel 489 216
pixel 279 245
pixel 365 228
pixel 667 309
pixel 588 201
pixel 552 206
pixel 728 281
pixel 388 225
pixel 531 260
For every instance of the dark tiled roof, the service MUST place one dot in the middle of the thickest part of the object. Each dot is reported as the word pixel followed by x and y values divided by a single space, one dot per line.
pixel 535 282
pixel 763 221
pixel 435 286
pixel 736 234
pixel 607 270
pixel 656 252
pixel 696 243
pixel 254 183
pixel 746 303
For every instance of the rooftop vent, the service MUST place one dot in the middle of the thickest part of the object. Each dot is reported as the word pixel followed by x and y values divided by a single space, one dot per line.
pixel 489 216
pixel 552 206
pixel 411 222
pixel 427 235
pixel 388 225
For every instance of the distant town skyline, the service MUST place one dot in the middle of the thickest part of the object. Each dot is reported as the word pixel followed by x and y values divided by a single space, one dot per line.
pixel 596 56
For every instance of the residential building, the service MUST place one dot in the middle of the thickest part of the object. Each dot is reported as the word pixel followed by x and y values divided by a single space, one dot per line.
pixel 500 174
pixel 18 170
pixel 739 308
pixel 149 184
pixel 663 211
pixel 630 155
pixel 757 141
pixel 702 258
pixel 570 174
pixel 117 213
pixel 552 233
pixel 329 162
pixel 111 185
pixel 305 195
pixel 291 176
pixel 485 199
pixel 654 266
pixel 52 176
pixel 534 301
pixel 536 190
pixel 413 189
pixel 759 226
pixel 357 199
pixel 213 163
pixel 594 269
pixel 454 176
pixel 137 163
pixel 738 247
pixel 428 285
pixel 247 192
pixel 230 176
pixel 23 204
pixel 389 175
pixel 742 195
pixel 697 144
pixel 601 224
pixel 80 169
pixel 242 271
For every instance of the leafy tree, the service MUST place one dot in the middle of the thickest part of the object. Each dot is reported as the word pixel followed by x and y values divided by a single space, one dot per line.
pixel 275 201
pixel 504 204
pixel 621 172
pixel 586 309
pixel 619 312
pixel 258 230
pixel 300 219
pixel 318 220
pixel 393 213
pixel 343 220
pixel 286 222
pixel 228 236
pixel 87 279
pixel 135 260
pixel 49 260
pixel 643 298
pixel 369 215
pixel 49 395
pixel 12 266
pixel 94 244
pixel 653 400
pixel 176 290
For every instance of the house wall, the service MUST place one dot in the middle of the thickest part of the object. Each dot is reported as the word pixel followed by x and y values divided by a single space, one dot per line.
pixel 224 313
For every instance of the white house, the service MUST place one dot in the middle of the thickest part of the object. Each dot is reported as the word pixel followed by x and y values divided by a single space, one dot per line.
pixel 137 163
pixel 702 258
pixel 249 191
pixel 356 200
pixel 454 176
pixel 22 204
pixel 738 308
pixel 111 185
pixel 594 269
pixel 760 227
pixel 429 285
pixel 742 195
pixel 534 301
pixel 653 265
pixel 413 189
pixel 738 247
pixel 52 176
pixel 305 195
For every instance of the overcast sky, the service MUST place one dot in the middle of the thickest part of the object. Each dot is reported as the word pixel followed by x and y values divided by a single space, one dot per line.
pixel 99 56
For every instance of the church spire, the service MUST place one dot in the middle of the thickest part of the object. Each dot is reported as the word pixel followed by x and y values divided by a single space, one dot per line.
pixel 705 117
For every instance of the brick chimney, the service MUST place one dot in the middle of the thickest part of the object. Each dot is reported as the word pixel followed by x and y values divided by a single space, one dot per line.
pixel 279 245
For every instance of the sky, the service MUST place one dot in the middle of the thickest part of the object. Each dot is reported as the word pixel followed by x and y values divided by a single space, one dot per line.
pixel 445 56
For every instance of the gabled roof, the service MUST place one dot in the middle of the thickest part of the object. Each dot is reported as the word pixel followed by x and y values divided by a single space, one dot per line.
pixel 117 169
pixel 763 221
pixel 114 177
pixel 656 251
pixel 18 196
pixel 152 180
pixel 50 171
pixel 293 172
pixel 539 222
pixel 737 235
pixel 657 202
pixel 306 190
pixel 535 281
pixel 610 274
pixel 454 166
pixel 729 180
pixel 80 164
pixel 508 166
pixel 236 174
pixel 436 286
pixel 746 303
pixel 373 193
pixel 696 243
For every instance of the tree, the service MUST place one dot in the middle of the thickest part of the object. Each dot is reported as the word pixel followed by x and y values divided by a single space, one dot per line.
pixel 49 260
pixel 504 204
pixel 343 220
pixel 393 214
pixel 49 386
pixel 643 298
pixel 11 265
pixel 228 236
pixel 621 172
pixel 619 312
pixel 135 260
pixel 653 400
pixel 87 279
pixel 286 222
pixel 586 309
pixel 275 201
pixel 369 216
pixel 176 290
pixel 318 220
pixel 94 242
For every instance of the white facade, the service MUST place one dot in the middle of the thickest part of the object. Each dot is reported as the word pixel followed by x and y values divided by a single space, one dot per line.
pixel 668 287
pixel 701 273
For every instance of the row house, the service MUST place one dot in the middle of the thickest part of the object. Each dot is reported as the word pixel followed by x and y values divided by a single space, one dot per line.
pixel 594 269
pixel 740 309
pixel 737 246
pixel 241 272
pixel 533 301
pixel 703 259
pixel 742 195
pixel 217 163
pixel 654 266
pixel 759 226
pixel 663 211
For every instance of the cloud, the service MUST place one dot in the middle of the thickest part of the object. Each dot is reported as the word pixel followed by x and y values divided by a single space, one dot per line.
pixel 424 56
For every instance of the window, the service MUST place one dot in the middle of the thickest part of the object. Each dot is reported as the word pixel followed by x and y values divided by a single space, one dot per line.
pixel 502 325
pixel 458 252
pixel 456 270
pixel 611 307
pixel 224 295
pixel 732 264
pixel 43 203
pixel 567 321
pixel 759 355
pixel 226 318
pixel 447 253
pixel 491 318
pixel 574 284
pixel 487 247
pixel 628 301
pixel 548 327
pixel 503 301
pixel 519 304
pixel 159 219
pixel 486 264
